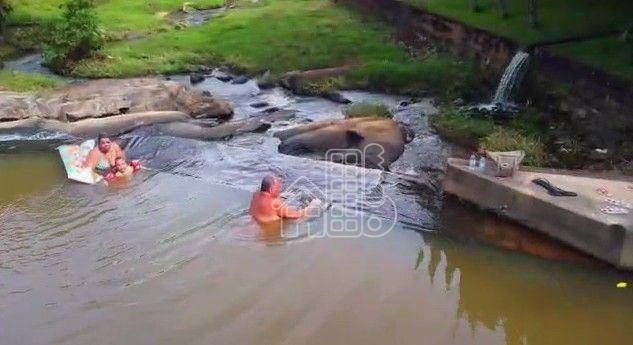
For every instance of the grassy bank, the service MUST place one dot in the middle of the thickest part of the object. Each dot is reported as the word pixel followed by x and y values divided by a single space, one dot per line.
pixel 608 54
pixel 26 82
pixel 284 35
pixel 522 133
pixel 119 18
pixel 557 19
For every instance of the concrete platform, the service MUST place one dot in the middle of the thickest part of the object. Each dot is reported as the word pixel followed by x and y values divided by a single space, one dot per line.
pixel 577 221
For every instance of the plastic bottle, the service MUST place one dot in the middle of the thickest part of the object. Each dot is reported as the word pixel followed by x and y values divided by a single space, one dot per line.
pixel 482 163
pixel 472 163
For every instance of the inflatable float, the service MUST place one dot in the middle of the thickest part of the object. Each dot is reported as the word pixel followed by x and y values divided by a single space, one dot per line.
pixel 74 156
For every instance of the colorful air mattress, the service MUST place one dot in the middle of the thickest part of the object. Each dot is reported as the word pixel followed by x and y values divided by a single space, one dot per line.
pixel 73 157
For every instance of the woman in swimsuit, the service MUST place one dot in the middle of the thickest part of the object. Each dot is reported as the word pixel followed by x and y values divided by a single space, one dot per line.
pixel 102 158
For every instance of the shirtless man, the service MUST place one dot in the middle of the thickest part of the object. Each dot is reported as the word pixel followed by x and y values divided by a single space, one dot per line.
pixel 266 206
pixel 103 156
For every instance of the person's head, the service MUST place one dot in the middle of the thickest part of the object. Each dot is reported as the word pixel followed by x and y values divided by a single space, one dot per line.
pixel 271 185
pixel 120 164
pixel 104 143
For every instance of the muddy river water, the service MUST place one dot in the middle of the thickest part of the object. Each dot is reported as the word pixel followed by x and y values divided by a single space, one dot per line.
pixel 173 258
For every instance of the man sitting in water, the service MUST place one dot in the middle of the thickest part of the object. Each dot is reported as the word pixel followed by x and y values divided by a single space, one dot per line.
pixel 267 206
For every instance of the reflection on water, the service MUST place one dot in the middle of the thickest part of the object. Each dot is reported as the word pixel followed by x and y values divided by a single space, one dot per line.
pixel 463 222
pixel 28 174
pixel 179 255
pixel 528 300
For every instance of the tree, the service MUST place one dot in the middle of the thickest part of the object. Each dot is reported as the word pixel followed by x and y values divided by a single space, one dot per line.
pixel 74 37
pixel 474 6
pixel 533 13
pixel 5 9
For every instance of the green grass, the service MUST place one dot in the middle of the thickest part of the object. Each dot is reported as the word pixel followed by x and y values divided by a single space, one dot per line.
pixel 505 139
pixel 557 19
pixel 609 54
pixel 26 82
pixel 118 18
pixel 459 128
pixel 521 133
pixel 280 36
pixel 440 74
pixel 367 110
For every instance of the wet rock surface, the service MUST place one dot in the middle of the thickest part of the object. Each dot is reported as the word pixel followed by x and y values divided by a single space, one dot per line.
pixel 369 142
pixel 109 97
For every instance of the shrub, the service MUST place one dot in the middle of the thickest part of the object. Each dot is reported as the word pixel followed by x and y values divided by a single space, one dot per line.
pixel 76 36
pixel 460 128
pixel 5 9
pixel 502 139
pixel 367 109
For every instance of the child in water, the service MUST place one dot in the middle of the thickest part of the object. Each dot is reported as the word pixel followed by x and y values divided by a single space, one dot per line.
pixel 122 171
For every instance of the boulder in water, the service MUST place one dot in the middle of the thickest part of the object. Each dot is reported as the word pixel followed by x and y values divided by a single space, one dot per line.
pixel 259 104
pixel 196 78
pixel 370 142
pixel 337 98
pixel 240 80
pixel 224 78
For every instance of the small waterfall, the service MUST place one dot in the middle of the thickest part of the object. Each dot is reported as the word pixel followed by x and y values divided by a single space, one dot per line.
pixel 512 77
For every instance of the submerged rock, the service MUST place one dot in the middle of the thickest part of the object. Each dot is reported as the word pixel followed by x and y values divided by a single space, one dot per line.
pixel 337 98
pixel 224 78
pixel 259 104
pixel 227 129
pixel 196 78
pixel 240 80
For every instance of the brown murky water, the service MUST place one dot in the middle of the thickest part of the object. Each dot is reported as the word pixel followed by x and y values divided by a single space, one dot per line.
pixel 173 259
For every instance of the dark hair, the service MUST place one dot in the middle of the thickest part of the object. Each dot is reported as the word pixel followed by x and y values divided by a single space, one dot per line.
pixel 119 158
pixel 267 183
pixel 100 136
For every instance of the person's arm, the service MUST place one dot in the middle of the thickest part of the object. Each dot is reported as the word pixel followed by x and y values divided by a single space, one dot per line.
pixel 91 160
pixel 284 211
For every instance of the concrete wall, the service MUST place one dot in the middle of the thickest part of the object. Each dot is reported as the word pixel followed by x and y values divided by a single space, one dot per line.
pixel 575 221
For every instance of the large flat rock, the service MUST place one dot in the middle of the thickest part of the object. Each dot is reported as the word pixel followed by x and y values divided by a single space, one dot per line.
pixel 577 221
pixel 368 141
pixel 109 97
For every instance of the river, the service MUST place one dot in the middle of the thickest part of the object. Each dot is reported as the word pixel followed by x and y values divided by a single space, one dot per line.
pixel 174 257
